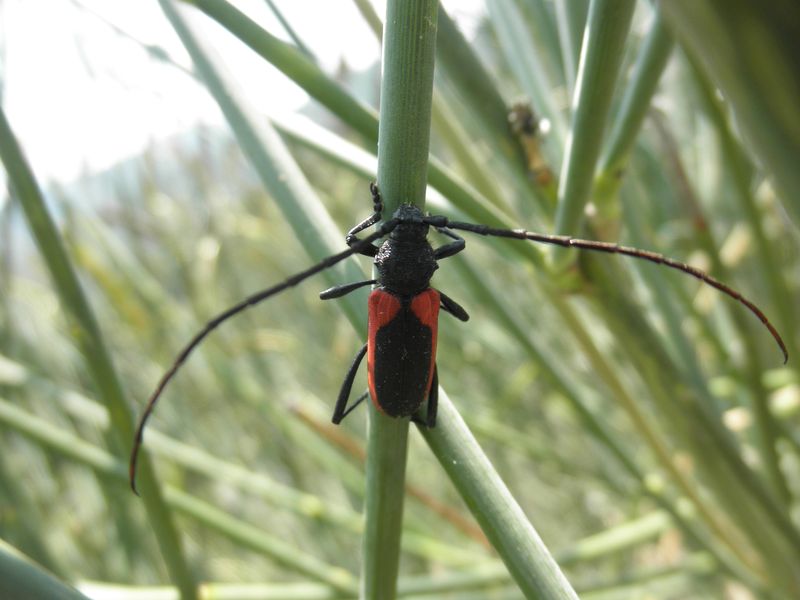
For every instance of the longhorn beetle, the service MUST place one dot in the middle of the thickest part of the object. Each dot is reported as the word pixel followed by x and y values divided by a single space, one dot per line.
pixel 404 308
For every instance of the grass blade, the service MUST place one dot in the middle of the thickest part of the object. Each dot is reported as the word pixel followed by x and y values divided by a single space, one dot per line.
pixel 747 49
pixel 92 345
pixel 500 517
pixel 601 57
pixel 21 578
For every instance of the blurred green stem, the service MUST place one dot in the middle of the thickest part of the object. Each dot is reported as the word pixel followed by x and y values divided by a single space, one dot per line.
pixel 90 341
pixel 570 18
pixel 650 64
pixel 749 50
pixel 21 578
pixel 601 56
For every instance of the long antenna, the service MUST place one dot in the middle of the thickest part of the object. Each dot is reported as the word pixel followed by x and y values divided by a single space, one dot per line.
pixel 362 244
pixel 654 257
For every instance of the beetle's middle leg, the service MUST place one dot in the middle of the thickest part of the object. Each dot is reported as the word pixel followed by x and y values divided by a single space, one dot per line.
pixel 341 410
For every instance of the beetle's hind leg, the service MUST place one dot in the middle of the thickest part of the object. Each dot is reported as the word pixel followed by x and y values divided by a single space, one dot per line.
pixel 341 410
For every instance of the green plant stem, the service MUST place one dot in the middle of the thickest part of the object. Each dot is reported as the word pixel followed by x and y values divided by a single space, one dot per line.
pixel 330 94
pixel 480 92
pixel 90 341
pixel 526 62
pixel 741 172
pixel 409 42
pixel 633 108
pixel 695 428
pixel 287 27
pixel 500 517
pixel 601 57
pixel 215 519
pixel 279 173
pixel 371 17
pixel 297 66
pixel 21 578
pixel 750 52
pixel 486 116
pixel 570 18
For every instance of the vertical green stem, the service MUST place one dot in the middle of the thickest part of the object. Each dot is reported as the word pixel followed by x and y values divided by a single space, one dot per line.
pixel 601 57
pixel 409 43
pixel 570 17
pixel 639 91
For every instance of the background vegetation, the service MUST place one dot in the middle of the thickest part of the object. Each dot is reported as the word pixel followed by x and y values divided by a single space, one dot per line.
pixel 643 422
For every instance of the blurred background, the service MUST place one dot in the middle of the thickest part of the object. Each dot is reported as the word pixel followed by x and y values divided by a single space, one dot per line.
pixel 644 422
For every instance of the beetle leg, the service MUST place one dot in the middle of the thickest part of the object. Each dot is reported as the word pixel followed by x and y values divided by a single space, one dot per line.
pixel 341 411
pixel 355 404
pixel 450 249
pixel 377 209
pixel 338 291
pixel 453 307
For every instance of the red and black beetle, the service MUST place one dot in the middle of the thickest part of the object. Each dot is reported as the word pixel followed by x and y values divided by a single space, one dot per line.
pixel 403 315
pixel 404 309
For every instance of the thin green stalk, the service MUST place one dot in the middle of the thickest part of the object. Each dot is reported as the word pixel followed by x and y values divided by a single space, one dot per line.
pixel 287 27
pixel 22 578
pixel 500 517
pixel 601 57
pixel 570 19
pixel 541 24
pixel 526 62
pixel 367 11
pixel 635 103
pixel 279 173
pixel 330 94
pixel 626 535
pixel 462 146
pixel 740 169
pixel 218 520
pixel 409 43
pixel 295 65
pixel 749 50
pixel 92 345
pixel 487 118
pixel 745 498
pixel 480 92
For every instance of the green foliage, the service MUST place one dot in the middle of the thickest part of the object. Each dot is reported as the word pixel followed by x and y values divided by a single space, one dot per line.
pixel 641 421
